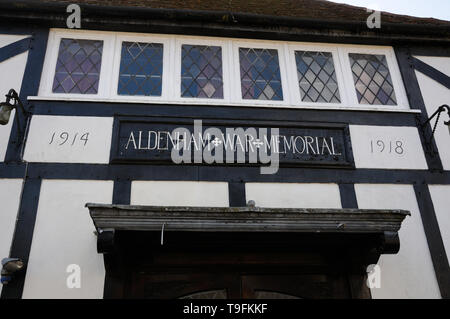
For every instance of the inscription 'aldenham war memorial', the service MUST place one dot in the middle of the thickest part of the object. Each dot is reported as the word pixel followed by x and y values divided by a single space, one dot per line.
pixel 212 142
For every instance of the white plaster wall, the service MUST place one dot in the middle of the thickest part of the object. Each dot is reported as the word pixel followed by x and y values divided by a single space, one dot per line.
pixel 376 147
pixel 63 139
pixel 6 39
pixel 64 235
pixel 10 190
pixel 410 273
pixel 440 194
pixel 179 193
pixel 293 195
pixel 434 95
pixel 12 71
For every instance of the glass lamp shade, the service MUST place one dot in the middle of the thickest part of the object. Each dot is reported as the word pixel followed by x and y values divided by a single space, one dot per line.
pixel 5 113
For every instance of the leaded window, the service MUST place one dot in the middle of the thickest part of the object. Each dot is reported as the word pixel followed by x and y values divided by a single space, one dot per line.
pixel 372 79
pixel 260 74
pixel 141 69
pixel 317 77
pixel 215 71
pixel 201 71
pixel 78 66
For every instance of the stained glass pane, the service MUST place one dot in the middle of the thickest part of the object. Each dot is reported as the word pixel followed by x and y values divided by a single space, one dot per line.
pixel 317 77
pixel 201 71
pixel 260 74
pixel 78 66
pixel 372 79
pixel 141 67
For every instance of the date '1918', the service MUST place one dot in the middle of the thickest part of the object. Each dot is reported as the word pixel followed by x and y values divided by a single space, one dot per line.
pixel 65 138
pixel 393 147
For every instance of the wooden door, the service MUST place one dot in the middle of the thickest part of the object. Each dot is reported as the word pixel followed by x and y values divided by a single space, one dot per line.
pixel 236 285
pixel 303 286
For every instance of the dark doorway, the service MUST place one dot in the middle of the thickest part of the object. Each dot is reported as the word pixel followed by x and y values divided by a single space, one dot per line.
pixel 238 266
pixel 185 285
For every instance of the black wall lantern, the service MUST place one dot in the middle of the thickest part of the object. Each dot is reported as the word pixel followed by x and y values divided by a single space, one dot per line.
pixel 438 112
pixel 12 102
pixel 10 266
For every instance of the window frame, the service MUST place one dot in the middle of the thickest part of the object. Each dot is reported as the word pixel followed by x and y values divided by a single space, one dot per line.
pixel 226 78
pixel 294 82
pixel 165 90
pixel 171 79
pixel 236 75
pixel 394 71
pixel 51 59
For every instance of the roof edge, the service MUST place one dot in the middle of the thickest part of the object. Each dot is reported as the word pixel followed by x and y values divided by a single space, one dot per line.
pixel 56 12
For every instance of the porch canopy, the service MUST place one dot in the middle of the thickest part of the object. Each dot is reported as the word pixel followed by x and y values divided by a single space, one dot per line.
pixel 368 230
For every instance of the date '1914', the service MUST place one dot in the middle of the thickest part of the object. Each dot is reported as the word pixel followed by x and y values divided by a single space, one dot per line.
pixel 65 138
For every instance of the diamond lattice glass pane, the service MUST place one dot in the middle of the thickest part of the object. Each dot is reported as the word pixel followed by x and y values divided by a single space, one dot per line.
pixel 373 81
pixel 317 77
pixel 78 66
pixel 201 71
pixel 141 67
pixel 260 74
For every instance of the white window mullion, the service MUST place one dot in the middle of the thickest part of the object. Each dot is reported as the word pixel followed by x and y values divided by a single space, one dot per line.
pixel 106 69
pixel 116 67
pixel 233 96
pixel 236 72
pixel 173 86
pixel 349 88
pixel 228 71
pixel 291 75
pixel 348 97
pixel 283 60
pixel 112 66
pixel 169 69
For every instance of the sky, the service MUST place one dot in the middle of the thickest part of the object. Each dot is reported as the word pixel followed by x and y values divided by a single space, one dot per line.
pixel 439 9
